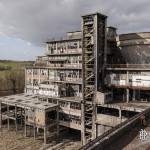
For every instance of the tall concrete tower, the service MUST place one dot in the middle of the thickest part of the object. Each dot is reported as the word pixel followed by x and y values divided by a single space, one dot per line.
pixel 94 59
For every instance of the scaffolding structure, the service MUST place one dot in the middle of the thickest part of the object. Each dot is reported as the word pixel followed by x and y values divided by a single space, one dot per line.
pixel 93 53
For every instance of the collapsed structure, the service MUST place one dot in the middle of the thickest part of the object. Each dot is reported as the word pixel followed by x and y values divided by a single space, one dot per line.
pixel 95 83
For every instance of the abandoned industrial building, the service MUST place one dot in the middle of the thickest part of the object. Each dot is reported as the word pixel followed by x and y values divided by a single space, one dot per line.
pixel 91 81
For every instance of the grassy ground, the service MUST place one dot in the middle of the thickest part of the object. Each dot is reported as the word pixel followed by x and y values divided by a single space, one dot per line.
pixel 8 64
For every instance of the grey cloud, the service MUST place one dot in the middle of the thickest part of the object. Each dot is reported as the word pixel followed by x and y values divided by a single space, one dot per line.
pixel 39 20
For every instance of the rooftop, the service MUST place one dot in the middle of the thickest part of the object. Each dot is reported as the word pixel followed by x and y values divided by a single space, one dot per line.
pixel 26 101
pixel 131 106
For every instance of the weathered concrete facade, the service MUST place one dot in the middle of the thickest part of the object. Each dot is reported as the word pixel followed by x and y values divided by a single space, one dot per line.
pixel 89 78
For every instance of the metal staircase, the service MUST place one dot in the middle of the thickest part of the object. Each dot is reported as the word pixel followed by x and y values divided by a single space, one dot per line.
pixel 90 26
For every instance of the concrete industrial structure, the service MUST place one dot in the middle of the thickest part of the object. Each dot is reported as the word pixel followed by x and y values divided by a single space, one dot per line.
pixel 71 74
pixel 93 79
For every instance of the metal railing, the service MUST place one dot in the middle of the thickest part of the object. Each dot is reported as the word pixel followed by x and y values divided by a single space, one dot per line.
pixel 101 139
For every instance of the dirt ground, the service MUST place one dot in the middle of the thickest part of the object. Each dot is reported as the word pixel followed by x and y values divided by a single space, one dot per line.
pixel 10 140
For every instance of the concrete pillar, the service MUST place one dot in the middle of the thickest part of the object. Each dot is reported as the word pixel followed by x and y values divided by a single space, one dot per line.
pixel 83 138
pixel 21 118
pixel 16 118
pixel 34 130
pixel 45 131
pixel 47 50
pixel 45 136
pixel 120 115
pixel 94 124
pixel 94 130
pixel 127 95
pixel 37 130
pixel 57 122
pixel 8 121
pixel 25 127
pixel 134 95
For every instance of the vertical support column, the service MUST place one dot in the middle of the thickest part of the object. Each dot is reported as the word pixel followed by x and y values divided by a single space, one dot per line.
pixel 45 135
pixel 120 115
pixel 34 128
pixel 45 130
pixel 127 90
pixel 66 47
pixel 83 137
pixel 57 122
pixel 21 117
pixel 37 130
pixel 25 120
pixel 16 118
pixel 96 130
pixel 8 121
pixel 134 95
pixel 127 95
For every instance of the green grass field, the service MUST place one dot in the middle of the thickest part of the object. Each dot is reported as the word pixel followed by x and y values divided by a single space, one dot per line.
pixel 8 64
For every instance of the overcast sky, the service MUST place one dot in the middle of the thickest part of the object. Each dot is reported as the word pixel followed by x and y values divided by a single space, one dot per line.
pixel 26 24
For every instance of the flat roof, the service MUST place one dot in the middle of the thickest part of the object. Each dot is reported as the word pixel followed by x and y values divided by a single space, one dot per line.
pixel 61 68
pixel 70 99
pixel 131 106
pixel 63 40
pixel 26 101
pixel 96 13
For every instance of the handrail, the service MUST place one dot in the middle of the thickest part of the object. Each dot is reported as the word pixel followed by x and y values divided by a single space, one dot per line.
pixel 107 133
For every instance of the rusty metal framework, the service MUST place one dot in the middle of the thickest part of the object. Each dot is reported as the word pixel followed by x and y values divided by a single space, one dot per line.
pixel 93 44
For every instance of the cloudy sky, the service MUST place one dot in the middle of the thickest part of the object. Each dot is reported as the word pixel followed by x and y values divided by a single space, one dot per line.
pixel 26 24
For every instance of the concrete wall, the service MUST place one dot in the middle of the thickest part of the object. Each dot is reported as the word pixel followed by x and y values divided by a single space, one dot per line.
pixel 135 47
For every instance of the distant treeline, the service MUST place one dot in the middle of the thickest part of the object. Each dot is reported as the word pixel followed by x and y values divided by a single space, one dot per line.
pixel 12 76
pixel 2 68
